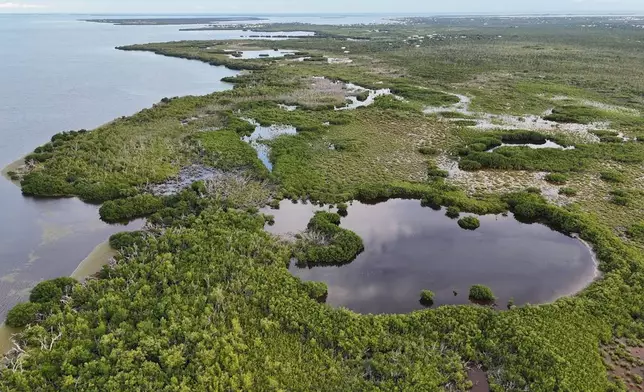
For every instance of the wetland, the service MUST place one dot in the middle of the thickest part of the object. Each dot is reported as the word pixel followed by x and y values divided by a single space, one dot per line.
pixel 409 248
pixel 214 291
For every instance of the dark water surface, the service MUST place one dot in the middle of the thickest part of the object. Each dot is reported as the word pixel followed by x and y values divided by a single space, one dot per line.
pixel 409 248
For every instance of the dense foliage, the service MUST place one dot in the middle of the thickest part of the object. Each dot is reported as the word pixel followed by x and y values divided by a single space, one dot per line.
pixel 481 293
pixel 469 223
pixel 203 299
pixel 327 243
pixel 123 210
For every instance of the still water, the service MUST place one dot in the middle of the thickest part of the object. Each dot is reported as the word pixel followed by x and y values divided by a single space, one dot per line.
pixel 57 74
pixel 409 248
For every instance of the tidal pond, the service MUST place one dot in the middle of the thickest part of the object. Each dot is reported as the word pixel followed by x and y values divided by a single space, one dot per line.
pixel 546 144
pixel 256 54
pixel 409 248
pixel 262 133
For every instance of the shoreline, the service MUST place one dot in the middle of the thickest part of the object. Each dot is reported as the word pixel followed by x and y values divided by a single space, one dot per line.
pixel 94 261
pixel 89 266
pixel 13 166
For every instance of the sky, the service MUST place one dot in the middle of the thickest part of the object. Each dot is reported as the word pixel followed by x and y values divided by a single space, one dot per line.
pixel 317 6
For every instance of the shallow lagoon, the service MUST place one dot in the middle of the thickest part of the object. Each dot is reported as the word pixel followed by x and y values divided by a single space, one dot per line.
pixel 409 248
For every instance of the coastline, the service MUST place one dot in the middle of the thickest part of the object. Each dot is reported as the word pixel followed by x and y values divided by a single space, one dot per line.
pixel 13 166
pixel 94 261
pixel 92 264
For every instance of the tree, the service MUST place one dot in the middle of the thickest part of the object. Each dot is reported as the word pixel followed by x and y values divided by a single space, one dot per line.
pixel 22 314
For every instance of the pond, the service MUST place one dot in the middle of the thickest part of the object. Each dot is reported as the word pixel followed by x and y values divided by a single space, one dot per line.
pixel 354 100
pixel 546 144
pixel 256 54
pixel 262 133
pixel 409 248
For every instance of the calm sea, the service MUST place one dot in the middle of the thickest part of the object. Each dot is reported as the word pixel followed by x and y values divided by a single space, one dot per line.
pixel 59 73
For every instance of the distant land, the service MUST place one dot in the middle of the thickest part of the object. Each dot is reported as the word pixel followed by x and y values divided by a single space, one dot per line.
pixel 173 21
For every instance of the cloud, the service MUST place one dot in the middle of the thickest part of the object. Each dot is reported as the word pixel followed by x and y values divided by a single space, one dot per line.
pixel 15 6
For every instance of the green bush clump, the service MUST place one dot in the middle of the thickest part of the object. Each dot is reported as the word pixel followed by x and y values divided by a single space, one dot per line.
pixel 239 126
pixel 362 96
pixel 620 200
pixel 343 209
pixel 435 172
pixel 127 239
pixel 636 231
pixel 556 178
pixel 481 293
pixel 22 314
pixel 611 176
pixel 317 290
pixel 328 243
pixel 427 297
pixel 568 191
pixel 574 114
pixel 469 165
pixel 123 210
pixel 44 292
pixel 428 150
pixel 469 223
pixel 533 189
pixel 453 212
pixel 52 290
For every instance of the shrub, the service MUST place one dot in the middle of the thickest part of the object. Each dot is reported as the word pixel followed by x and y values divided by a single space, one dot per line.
pixel 620 200
pixel 428 151
pixel 133 207
pixel 636 232
pixel 469 223
pixel 427 297
pixel 327 243
pixel 453 212
pixel 124 240
pixel 65 283
pixel 47 291
pixel 434 172
pixel 534 190
pixel 22 314
pixel 317 290
pixel 469 165
pixel 568 191
pixel 611 176
pixel 343 209
pixel 481 293
pixel 556 178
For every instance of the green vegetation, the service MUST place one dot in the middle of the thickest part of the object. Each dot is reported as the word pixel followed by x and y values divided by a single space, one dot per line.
pixel 123 210
pixel 469 223
pixel 203 299
pixel 22 315
pixel 427 297
pixel 453 212
pixel 568 191
pixel 611 176
pixel 342 209
pixel 326 243
pixel 480 293
pixel 556 178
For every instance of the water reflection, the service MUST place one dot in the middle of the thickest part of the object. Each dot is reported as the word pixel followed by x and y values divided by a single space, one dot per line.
pixel 409 248
pixel 262 133
pixel 546 144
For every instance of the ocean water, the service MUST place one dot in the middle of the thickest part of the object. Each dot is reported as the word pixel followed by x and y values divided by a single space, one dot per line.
pixel 58 73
